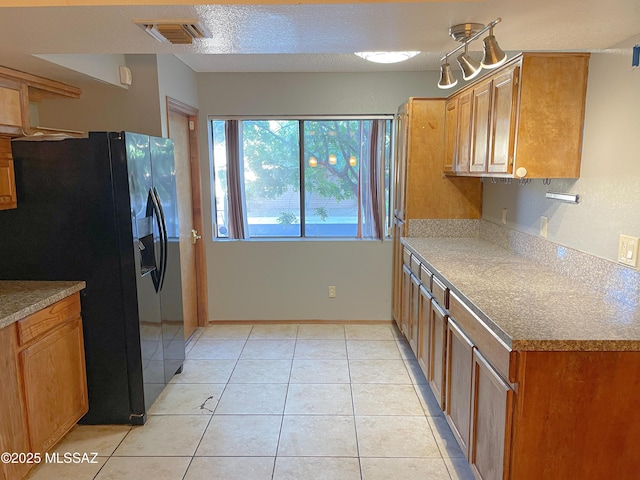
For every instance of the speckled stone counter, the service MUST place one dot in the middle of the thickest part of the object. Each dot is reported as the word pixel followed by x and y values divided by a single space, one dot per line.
pixel 19 299
pixel 526 304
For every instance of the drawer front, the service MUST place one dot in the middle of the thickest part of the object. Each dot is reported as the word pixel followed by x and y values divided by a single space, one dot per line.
pixel 406 258
pixel 491 347
pixel 48 318
pixel 415 266
pixel 440 293
pixel 425 277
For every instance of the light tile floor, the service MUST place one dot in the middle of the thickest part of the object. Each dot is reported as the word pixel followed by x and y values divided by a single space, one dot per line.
pixel 282 402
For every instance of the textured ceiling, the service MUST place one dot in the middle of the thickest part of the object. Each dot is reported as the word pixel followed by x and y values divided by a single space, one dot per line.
pixel 311 37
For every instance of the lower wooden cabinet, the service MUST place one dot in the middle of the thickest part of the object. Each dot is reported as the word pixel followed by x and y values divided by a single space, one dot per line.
pixel 491 417
pixel 13 421
pixel 424 328
pixel 44 386
pixel 414 314
pixel 396 300
pixel 458 394
pixel 53 372
pixel 405 310
pixel 437 371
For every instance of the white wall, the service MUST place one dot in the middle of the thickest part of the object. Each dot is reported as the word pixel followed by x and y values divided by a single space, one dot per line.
pixel 271 280
pixel 609 184
pixel 177 81
pixel 104 67
pixel 104 107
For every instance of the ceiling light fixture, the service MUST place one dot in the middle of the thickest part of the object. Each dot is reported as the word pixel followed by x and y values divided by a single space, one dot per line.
pixel 466 33
pixel 447 80
pixel 387 57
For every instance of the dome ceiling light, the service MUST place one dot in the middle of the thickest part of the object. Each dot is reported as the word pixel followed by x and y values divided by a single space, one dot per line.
pixel 387 57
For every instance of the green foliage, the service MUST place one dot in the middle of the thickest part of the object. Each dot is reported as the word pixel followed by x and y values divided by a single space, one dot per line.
pixel 322 213
pixel 287 218
pixel 272 157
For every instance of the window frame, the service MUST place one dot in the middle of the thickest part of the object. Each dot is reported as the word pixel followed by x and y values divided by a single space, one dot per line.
pixel 389 161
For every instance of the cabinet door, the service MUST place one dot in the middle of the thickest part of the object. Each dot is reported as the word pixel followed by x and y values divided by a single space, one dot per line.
pixel 424 326
pixel 14 107
pixel 480 127
pixel 414 314
pixel 13 423
pixel 463 140
pixel 451 132
pixel 492 405
pixel 398 231
pixel 503 121
pixel 402 139
pixel 459 364
pixel 7 176
pixel 438 350
pixel 54 384
pixel 406 300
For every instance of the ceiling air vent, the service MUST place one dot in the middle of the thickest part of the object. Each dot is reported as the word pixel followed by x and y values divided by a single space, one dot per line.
pixel 175 32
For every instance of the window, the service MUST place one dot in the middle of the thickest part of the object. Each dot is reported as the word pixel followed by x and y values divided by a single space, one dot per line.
pixel 311 177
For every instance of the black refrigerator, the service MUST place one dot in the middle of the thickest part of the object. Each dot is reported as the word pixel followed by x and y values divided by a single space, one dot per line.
pixel 103 209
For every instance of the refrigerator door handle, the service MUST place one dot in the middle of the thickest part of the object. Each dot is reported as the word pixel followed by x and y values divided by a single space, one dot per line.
pixel 165 238
pixel 157 273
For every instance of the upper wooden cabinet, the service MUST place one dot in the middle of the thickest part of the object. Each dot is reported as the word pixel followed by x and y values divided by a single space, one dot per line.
pixel 7 178
pixel 17 90
pixel 421 191
pixel 523 120
pixel 14 107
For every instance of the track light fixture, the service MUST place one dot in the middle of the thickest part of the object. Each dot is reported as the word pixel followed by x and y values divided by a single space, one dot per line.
pixel 447 80
pixel 466 33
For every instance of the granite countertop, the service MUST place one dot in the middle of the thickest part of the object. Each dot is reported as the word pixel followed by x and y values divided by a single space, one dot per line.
pixel 19 299
pixel 528 305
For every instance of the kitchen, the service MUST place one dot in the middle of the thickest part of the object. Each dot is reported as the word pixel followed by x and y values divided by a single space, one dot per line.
pixel 607 173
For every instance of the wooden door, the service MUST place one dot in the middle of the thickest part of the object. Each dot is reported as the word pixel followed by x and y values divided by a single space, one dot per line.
pixel 450 131
pixel 183 132
pixel 504 122
pixel 437 373
pixel 492 406
pixel 480 128
pixel 459 364
pixel 54 384
pixel 424 326
pixel 463 141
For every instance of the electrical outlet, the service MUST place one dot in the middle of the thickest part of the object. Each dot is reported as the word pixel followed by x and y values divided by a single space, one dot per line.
pixel 628 250
pixel 504 216
pixel 332 291
pixel 544 222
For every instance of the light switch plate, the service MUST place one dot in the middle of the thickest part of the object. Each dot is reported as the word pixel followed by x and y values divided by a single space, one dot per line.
pixel 628 250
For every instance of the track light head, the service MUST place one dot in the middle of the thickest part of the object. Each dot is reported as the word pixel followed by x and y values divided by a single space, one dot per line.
pixel 447 80
pixel 493 54
pixel 471 68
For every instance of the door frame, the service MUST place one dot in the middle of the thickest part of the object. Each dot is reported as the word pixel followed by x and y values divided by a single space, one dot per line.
pixel 202 292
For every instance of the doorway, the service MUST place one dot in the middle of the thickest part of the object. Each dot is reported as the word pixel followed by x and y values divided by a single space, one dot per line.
pixel 183 130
